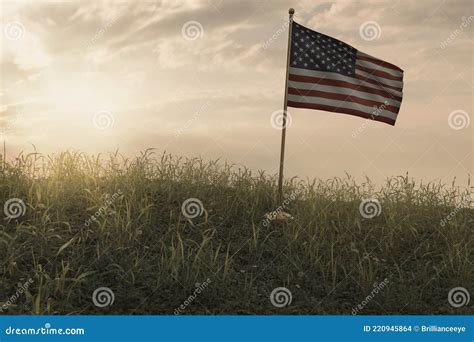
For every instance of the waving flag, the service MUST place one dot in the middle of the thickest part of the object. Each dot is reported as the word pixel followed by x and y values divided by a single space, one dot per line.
pixel 330 75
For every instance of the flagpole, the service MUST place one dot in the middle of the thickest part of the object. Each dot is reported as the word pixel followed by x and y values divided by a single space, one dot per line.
pixel 283 124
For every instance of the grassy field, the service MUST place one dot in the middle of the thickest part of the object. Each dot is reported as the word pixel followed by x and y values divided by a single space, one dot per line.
pixel 183 236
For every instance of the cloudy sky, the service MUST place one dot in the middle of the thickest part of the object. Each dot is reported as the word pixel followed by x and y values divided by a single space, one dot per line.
pixel 202 78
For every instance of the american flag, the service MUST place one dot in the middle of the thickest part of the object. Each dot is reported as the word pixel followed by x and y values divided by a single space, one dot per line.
pixel 330 75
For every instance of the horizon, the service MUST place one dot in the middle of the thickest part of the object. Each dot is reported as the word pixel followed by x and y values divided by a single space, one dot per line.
pixel 202 79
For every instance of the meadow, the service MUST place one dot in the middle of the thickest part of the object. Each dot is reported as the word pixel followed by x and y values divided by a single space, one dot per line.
pixel 74 224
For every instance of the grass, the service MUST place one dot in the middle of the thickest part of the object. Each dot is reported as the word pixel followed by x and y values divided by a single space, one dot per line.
pixel 143 247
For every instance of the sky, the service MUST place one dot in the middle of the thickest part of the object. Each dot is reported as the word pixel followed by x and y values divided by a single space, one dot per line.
pixel 206 79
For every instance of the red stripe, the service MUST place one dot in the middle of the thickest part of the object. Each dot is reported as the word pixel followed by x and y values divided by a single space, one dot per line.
pixel 359 77
pixel 342 97
pixel 341 110
pixel 379 73
pixel 343 84
pixel 378 62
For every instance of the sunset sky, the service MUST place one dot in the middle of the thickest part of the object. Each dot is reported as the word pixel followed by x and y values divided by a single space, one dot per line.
pixel 202 78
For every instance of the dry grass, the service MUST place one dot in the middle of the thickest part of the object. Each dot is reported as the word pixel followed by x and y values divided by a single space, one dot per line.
pixel 144 249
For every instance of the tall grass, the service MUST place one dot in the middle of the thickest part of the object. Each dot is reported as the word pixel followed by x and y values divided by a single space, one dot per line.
pixel 151 256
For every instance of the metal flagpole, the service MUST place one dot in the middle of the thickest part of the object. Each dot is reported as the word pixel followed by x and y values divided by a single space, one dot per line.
pixel 283 130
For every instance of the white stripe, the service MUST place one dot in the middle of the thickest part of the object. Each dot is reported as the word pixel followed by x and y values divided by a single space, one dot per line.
pixel 381 80
pixel 339 77
pixel 344 91
pixel 360 53
pixel 342 104
pixel 370 65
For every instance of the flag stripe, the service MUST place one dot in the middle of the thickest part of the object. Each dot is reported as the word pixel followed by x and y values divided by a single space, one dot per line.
pixel 354 112
pixel 377 83
pixel 381 80
pixel 331 78
pixel 305 87
pixel 378 73
pixel 344 98
pixel 379 67
pixel 342 104
pixel 376 61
